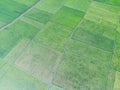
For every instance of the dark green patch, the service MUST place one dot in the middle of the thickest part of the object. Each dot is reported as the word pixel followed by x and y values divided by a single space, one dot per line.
pixel 39 15
pixel 10 10
pixel 95 40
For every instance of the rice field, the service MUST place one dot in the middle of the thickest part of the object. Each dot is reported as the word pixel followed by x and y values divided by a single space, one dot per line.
pixel 59 45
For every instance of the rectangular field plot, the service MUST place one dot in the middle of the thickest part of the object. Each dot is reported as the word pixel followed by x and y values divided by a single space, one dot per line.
pixel 98 12
pixel 81 5
pixel 10 10
pixel 104 28
pixel 51 6
pixel 82 68
pixel 38 61
pixel 39 15
pixel 54 36
pixel 12 78
pixel 95 40
pixel 68 16
pixel 12 35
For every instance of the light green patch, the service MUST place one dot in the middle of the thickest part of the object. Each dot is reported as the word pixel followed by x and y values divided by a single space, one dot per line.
pixel 38 61
pixel 68 17
pixel 14 79
pixel 81 5
pixel 98 12
pixel 51 5
pixel 54 36
pixel 117 81
pixel 93 17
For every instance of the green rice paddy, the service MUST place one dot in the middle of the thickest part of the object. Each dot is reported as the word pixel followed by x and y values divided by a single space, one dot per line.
pixel 59 44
